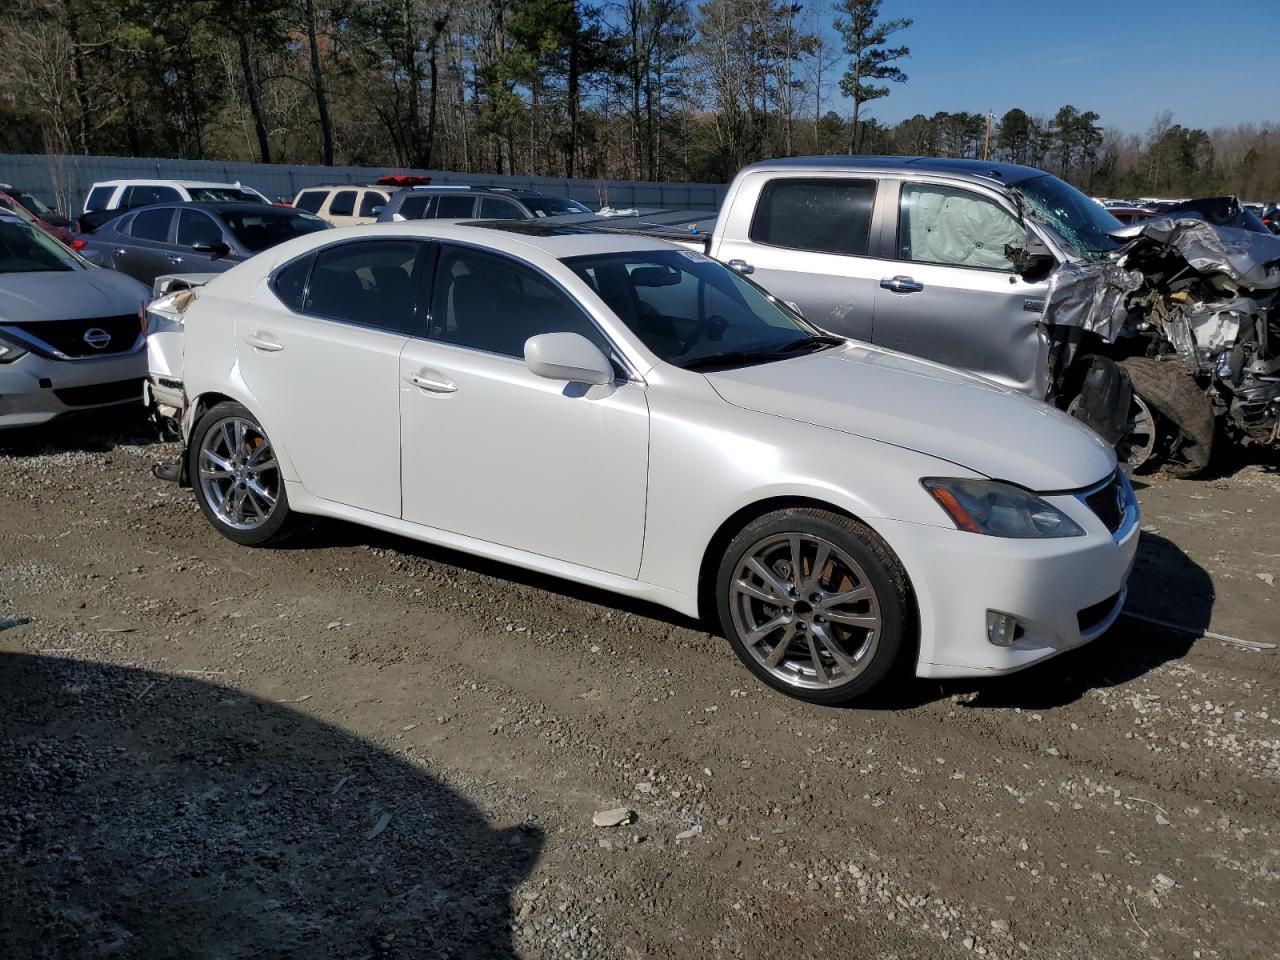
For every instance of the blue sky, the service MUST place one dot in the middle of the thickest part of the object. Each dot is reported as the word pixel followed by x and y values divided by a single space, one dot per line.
pixel 1211 64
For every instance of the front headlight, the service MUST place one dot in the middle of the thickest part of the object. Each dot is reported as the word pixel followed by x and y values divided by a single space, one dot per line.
pixel 10 352
pixel 999 509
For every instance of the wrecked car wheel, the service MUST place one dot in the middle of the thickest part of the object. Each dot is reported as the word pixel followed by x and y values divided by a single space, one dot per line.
pixel 236 476
pixel 814 604
pixel 1138 445
pixel 1171 394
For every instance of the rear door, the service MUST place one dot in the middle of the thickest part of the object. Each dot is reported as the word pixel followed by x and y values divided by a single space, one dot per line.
pixel 143 252
pixel 320 351
pixel 950 294
pixel 809 241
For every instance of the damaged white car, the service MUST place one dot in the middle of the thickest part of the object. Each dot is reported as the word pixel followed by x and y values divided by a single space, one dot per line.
pixel 628 414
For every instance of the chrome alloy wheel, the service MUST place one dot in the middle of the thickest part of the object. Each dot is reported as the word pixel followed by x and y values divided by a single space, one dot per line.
pixel 805 610
pixel 239 476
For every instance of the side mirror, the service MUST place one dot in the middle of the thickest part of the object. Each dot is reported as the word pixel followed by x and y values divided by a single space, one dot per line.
pixel 1033 259
pixel 376 210
pixel 567 356
pixel 218 249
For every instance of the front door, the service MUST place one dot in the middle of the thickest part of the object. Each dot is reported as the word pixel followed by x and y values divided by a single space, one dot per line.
pixel 320 350
pixel 808 242
pixel 952 295
pixel 492 451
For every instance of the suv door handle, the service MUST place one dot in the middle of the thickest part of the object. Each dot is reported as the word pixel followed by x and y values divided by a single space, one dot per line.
pixel 901 284
pixel 433 386
pixel 261 342
pixel 740 266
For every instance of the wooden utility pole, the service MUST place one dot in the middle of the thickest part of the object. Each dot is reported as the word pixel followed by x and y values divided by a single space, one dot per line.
pixel 986 139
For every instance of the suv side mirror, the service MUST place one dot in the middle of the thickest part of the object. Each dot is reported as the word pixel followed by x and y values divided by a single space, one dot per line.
pixel 1033 259
pixel 218 249
pixel 567 356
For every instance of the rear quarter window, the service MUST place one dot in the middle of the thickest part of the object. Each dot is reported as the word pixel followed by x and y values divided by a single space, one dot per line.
pixel 98 199
pixel 290 282
pixel 310 200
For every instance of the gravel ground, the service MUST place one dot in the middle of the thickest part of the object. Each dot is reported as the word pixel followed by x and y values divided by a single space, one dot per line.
pixel 362 746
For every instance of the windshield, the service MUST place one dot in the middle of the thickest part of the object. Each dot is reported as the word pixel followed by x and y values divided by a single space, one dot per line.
pixel 34 204
pixel 15 209
pixel 1080 221
pixel 221 194
pixel 24 249
pixel 688 309
pixel 552 206
pixel 260 229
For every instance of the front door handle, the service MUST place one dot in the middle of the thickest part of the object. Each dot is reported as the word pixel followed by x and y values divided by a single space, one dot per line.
pixel 740 266
pixel 901 284
pixel 432 385
pixel 120 251
pixel 260 341
pixel 172 259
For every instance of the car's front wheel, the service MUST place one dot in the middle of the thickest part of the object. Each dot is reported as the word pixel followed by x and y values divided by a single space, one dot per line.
pixel 815 604
pixel 236 476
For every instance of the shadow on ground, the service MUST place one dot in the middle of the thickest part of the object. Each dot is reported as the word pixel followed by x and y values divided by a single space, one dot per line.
pixel 98 432
pixel 144 815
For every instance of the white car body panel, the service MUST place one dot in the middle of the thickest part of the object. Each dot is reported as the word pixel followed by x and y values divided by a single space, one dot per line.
pixel 625 486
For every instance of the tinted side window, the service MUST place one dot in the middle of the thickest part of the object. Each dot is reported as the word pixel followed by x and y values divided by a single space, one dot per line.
pixel 956 227
pixel 374 283
pixel 415 207
pixel 196 227
pixel 151 225
pixel 290 282
pixel 491 303
pixel 343 203
pixel 371 203
pixel 826 216
pixel 494 208
pixel 144 194
pixel 310 200
pixel 454 207
pixel 98 198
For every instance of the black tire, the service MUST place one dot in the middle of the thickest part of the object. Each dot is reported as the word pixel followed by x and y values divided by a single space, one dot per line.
pixel 895 639
pixel 279 523
pixel 1172 392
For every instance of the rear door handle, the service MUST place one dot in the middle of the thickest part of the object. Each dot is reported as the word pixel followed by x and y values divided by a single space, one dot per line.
pixel 120 251
pixel 260 341
pixel 172 259
pixel 901 284
pixel 741 266
pixel 432 385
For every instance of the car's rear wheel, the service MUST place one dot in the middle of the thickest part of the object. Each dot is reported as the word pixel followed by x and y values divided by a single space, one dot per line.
pixel 815 604
pixel 236 476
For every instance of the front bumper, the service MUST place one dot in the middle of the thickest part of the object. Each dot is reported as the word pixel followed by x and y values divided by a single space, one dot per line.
pixel 35 389
pixel 1064 592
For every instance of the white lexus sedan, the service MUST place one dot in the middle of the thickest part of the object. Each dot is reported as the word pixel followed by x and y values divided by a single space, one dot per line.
pixel 620 412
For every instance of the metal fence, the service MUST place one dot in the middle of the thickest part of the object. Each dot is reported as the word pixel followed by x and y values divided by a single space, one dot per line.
pixel 63 181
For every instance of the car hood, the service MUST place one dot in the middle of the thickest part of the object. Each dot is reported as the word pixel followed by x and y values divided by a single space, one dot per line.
pixel 891 397
pixel 69 295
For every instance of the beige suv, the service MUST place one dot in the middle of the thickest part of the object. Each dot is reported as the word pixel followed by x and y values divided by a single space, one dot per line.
pixel 344 205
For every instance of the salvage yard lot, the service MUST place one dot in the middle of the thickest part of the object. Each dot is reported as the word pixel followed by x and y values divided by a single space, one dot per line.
pixel 361 746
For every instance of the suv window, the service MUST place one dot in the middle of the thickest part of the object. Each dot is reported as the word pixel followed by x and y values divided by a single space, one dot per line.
pixel 151 225
pixel 825 216
pixel 955 227
pixel 98 199
pixel 495 208
pixel 141 195
pixel 415 207
pixel 490 303
pixel 371 203
pixel 343 203
pixel 450 207
pixel 311 200
pixel 374 283
pixel 196 227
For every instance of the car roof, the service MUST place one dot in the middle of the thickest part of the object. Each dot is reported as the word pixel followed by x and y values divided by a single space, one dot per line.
pixel 174 183
pixel 978 169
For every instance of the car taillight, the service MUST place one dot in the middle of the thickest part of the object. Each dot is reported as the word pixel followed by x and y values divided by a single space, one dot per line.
pixel 78 244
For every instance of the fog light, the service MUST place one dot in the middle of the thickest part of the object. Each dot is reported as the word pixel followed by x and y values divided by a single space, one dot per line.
pixel 1002 628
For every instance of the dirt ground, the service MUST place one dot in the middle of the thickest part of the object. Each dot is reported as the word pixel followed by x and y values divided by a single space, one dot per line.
pixel 361 746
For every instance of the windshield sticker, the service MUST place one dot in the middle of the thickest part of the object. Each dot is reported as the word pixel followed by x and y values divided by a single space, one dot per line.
pixel 695 256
